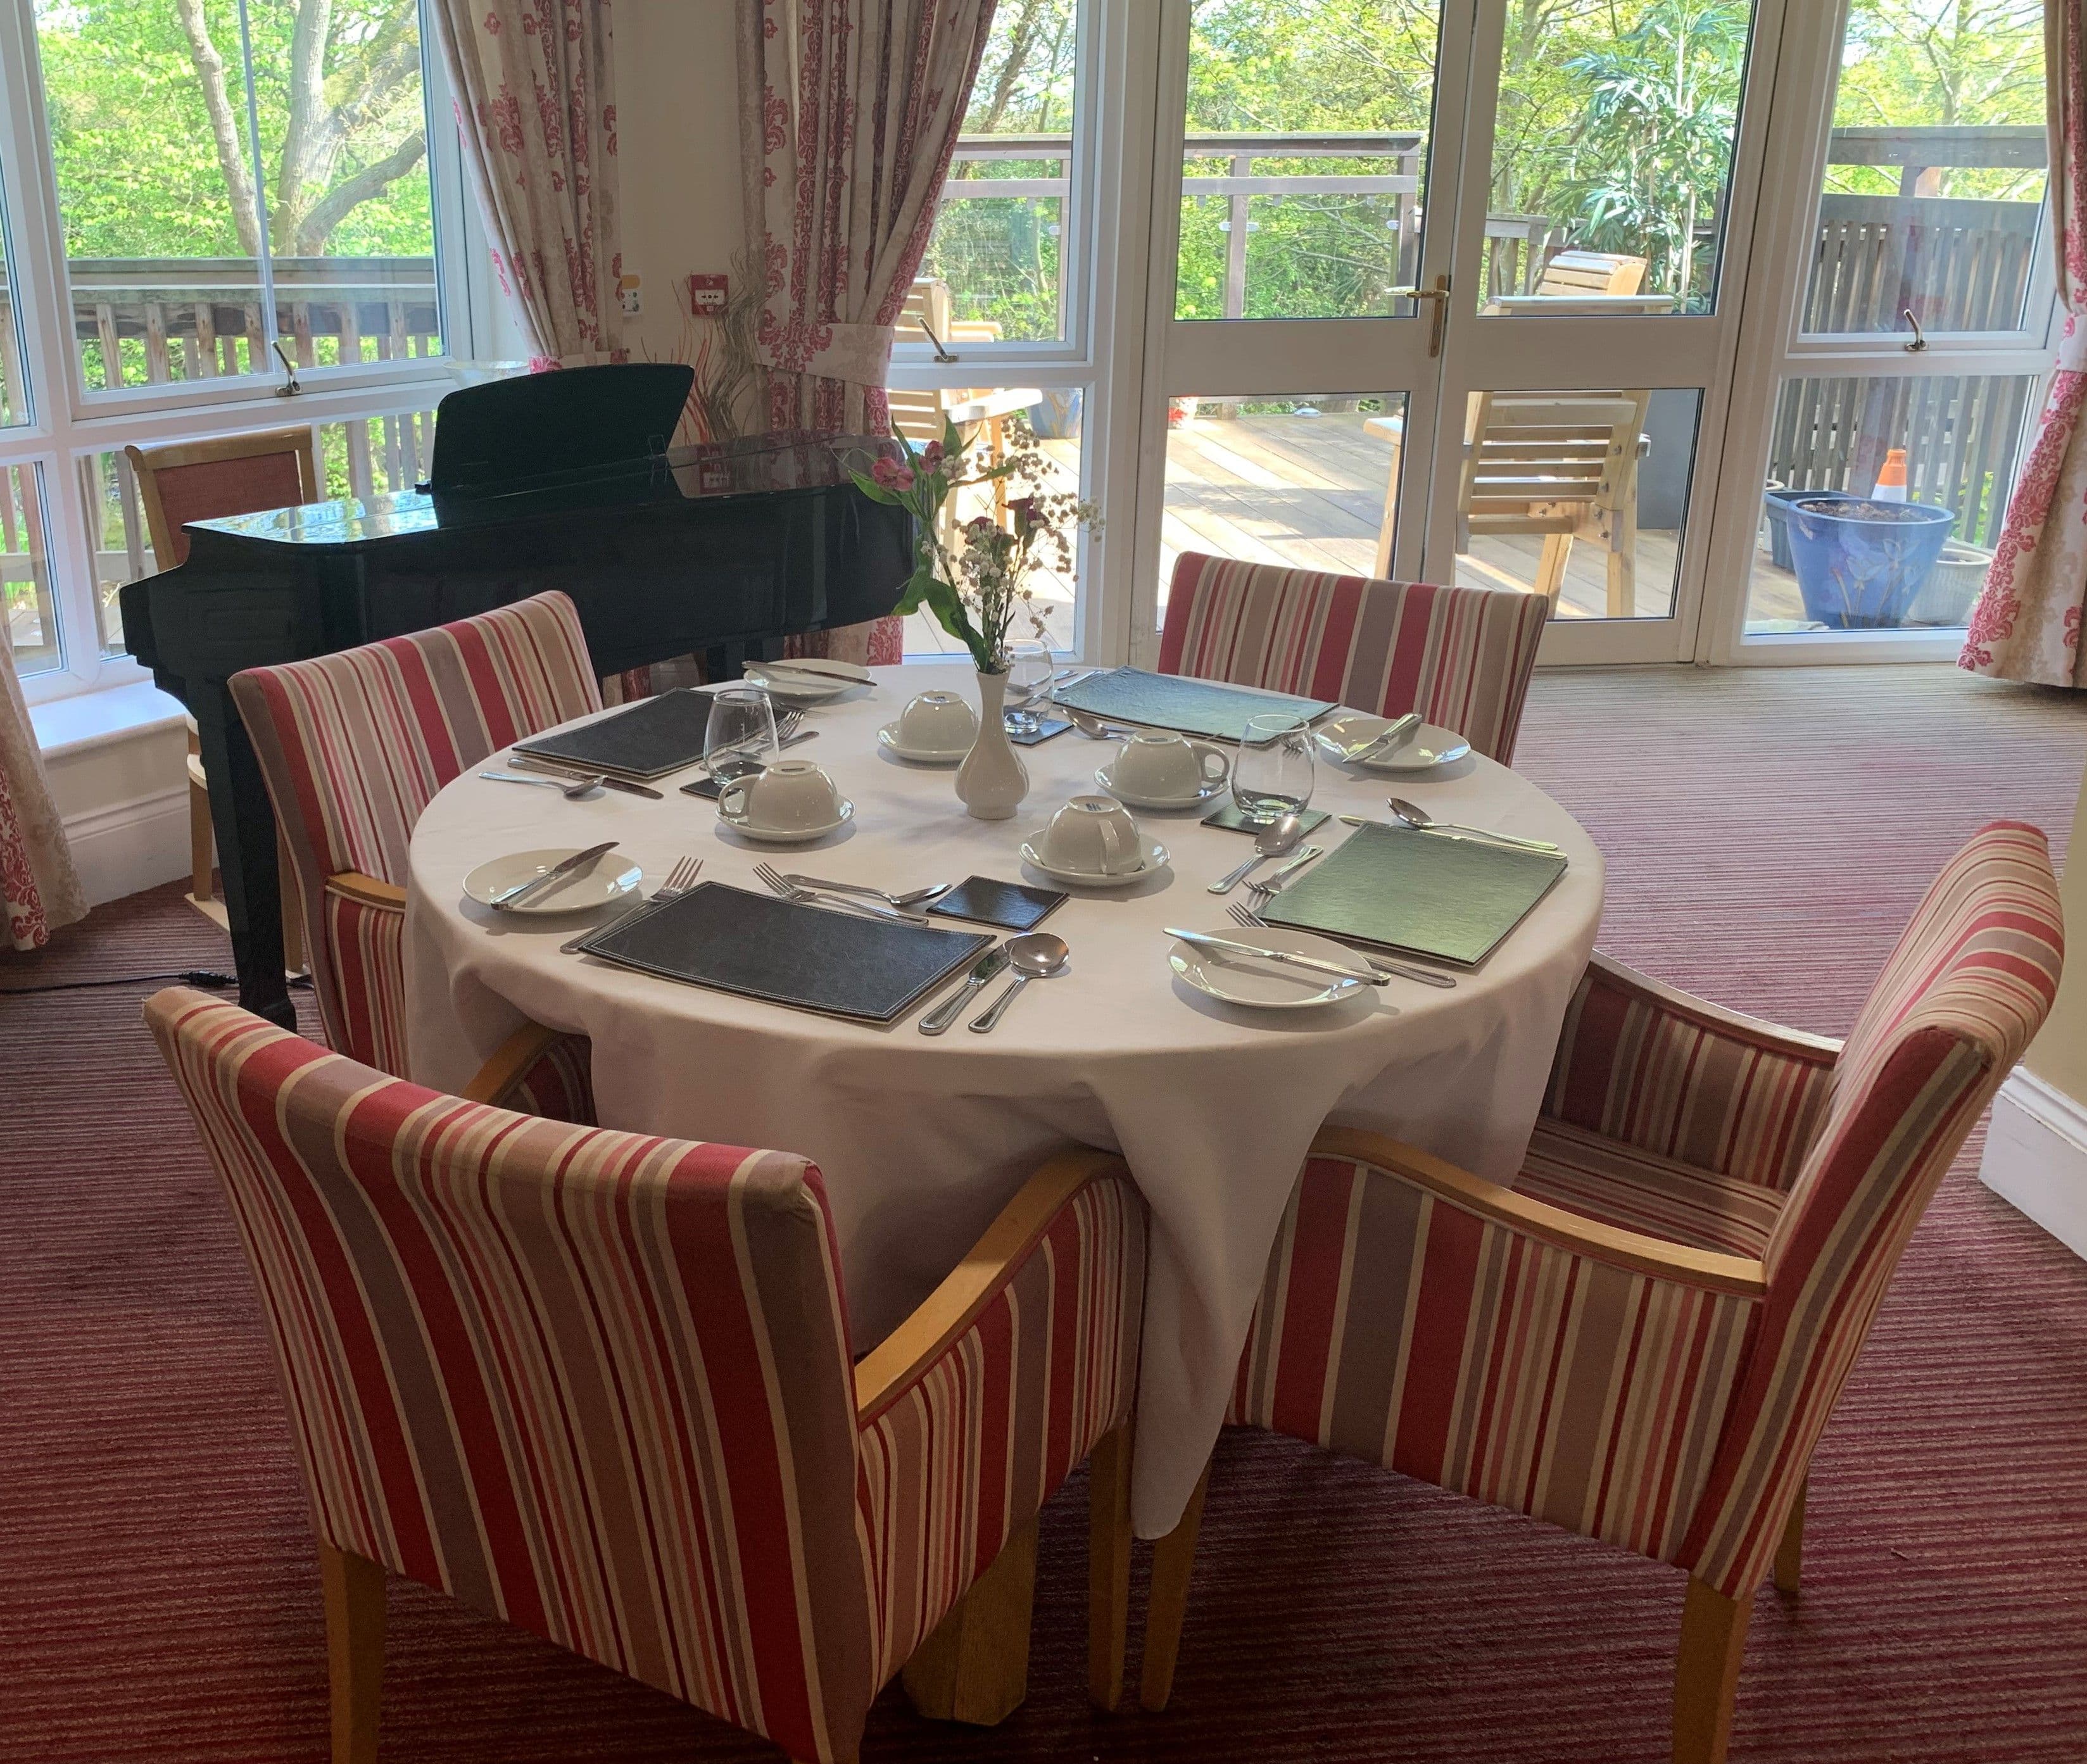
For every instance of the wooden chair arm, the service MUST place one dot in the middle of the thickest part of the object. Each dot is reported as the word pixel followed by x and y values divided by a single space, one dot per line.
pixel 352 885
pixel 513 1057
pixel 946 1313
pixel 1757 1031
pixel 1707 1269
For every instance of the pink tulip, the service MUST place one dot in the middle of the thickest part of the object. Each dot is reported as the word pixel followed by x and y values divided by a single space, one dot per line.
pixel 931 457
pixel 893 474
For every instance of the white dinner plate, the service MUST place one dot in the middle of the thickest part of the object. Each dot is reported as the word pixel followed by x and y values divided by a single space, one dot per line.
pixel 1155 857
pixel 798 688
pixel 799 836
pixel 1431 747
pixel 887 738
pixel 1265 985
pixel 611 877
pixel 1104 776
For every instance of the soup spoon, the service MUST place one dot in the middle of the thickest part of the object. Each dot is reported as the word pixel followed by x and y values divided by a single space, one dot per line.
pixel 1035 955
pixel 577 791
pixel 1418 817
pixel 1273 841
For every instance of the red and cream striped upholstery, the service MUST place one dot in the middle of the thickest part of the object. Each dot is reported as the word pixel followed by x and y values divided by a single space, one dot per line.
pixel 354 745
pixel 1673 1415
pixel 598 1384
pixel 1461 656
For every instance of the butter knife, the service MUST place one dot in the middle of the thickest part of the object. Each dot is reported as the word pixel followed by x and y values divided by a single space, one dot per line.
pixel 1386 739
pixel 1289 957
pixel 522 892
pixel 524 763
pixel 951 1008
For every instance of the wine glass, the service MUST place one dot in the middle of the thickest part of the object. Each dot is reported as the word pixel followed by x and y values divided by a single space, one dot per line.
pixel 1031 670
pixel 1273 775
pixel 739 738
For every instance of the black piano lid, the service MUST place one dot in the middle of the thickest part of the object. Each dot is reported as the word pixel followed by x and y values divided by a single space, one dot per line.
pixel 755 465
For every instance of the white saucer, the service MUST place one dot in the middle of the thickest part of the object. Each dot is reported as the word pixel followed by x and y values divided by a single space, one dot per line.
pixel 795 835
pixel 1155 854
pixel 798 689
pixel 1264 985
pixel 611 878
pixel 887 740
pixel 1431 747
pixel 1102 777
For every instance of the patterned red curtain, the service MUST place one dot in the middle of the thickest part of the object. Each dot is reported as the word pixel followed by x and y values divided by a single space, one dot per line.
pixel 39 888
pixel 2026 624
pixel 536 90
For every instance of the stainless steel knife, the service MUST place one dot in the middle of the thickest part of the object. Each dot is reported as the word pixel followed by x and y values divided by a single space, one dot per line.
pixel 522 892
pixel 1288 958
pixel 520 762
pixel 1388 739
pixel 951 1008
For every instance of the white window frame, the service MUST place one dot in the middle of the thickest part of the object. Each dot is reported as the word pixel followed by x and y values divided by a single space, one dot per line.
pixel 70 421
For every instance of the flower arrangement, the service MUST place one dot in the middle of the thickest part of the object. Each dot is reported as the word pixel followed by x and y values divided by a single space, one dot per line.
pixel 977 586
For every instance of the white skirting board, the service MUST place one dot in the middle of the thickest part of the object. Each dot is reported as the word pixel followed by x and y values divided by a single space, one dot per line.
pixel 2036 1156
pixel 129 845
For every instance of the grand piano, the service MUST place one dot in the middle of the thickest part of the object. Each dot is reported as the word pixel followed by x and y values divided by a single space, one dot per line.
pixel 557 481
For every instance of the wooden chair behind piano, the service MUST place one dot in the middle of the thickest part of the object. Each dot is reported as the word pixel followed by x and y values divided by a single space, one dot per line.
pixel 200 481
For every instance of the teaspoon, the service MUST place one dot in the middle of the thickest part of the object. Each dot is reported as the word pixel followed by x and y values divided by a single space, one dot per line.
pixel 1036 956
pixel 578 790
pixel 1414 816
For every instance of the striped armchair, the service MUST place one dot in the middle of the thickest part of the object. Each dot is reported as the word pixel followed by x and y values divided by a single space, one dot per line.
pixel 353 746
pixel 1460 656
pixel 597 1385
pixel 1643 1339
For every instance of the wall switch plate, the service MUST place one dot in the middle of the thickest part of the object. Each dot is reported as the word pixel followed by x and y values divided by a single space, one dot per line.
pixel 626 290
pixel 706 292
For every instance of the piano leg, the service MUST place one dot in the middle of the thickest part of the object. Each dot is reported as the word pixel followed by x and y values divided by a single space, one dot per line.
pixel 244 825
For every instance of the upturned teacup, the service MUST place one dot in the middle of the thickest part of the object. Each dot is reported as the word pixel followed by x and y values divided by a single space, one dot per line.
pixel 791 796
pixel 1159 763
pixel 1094 836
pixel 938 723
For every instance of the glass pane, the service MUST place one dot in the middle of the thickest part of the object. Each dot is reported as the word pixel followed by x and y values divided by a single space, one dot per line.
pixel 1612 154
pixel 1962 439
pixel 1304 161
pixel 376 455
pixel 1579 495
pixel 995 256
pixel 1309 482
pixel 1935 175
pixel 13 384
pixel 25 574
pixel 117 536
pixel 147 108
pixel 991 419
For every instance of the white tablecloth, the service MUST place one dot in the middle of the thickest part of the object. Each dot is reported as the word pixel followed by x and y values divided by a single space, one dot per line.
pixel 922 1140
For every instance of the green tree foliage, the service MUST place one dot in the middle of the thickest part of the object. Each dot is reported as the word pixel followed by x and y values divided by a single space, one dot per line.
pixel 147 110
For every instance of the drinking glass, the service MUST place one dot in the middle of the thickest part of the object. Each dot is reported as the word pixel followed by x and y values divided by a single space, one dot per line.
pixel 739 738
pixel 1272 777
pixel 1031 670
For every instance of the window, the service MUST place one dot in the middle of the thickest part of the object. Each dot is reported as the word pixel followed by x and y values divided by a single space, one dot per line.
pixel 198 188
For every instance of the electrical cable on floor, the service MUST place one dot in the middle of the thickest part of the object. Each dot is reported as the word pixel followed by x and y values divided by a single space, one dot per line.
pixel 187 976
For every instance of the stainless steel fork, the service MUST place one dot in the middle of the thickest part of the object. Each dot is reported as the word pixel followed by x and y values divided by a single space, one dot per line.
pixel 680 880
pixel 1241 915
pixel 774 878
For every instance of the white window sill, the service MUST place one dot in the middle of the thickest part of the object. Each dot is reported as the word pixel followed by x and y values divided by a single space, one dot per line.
pixel 89 720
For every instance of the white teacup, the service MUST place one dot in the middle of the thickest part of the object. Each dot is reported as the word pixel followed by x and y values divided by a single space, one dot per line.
pixel 938 723
pixel 793 796
pixel 1159 763
pixel 1092 835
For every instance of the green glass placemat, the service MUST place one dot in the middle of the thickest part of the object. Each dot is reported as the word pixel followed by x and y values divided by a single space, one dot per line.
pixel 1205 707
pixel 1424 893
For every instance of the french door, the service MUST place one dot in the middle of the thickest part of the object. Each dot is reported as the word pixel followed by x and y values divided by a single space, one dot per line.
pixel 1363 348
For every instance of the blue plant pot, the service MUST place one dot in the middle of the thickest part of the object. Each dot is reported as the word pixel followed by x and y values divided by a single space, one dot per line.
pixel 1858 574
pixel 1056 417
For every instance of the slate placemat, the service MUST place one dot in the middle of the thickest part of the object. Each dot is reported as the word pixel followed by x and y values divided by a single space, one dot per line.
pixel 814 958
pixel 649 740
pixel 1452 898
pixel 1205 707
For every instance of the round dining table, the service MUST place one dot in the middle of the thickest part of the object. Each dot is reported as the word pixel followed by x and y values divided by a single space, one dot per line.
pixel 922 1139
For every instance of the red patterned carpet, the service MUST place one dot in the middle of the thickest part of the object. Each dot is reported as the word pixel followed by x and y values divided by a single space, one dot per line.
pixel 1766 833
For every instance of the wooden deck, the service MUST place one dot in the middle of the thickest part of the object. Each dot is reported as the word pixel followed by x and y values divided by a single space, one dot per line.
pixel 1308 492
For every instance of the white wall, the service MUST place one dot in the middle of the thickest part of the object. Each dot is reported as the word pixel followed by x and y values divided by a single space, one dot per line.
pixel 677 149
pixel 117 762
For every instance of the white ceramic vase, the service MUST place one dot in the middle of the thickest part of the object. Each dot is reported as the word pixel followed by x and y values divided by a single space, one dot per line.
pixel 992 780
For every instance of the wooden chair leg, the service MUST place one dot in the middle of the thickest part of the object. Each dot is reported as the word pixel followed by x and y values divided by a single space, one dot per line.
pixel 1706 1676
pixel 202 881
pixel 293 912
pixel 355 1651
pixel 1551 565
pixel 1790 1552
pixel 1173 1559
pixel 974 1667
pixel 1108 1566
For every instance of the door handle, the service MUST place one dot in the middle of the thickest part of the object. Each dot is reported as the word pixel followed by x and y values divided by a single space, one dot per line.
pixel 1440 320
